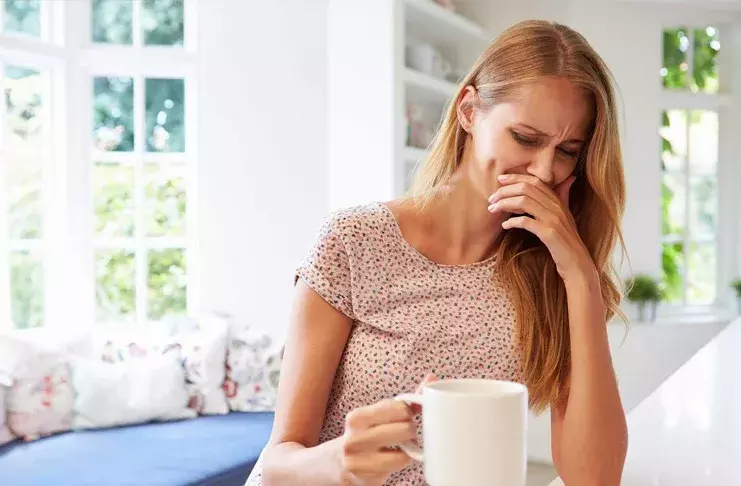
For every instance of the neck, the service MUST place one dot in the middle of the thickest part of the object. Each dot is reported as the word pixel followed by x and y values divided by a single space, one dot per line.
pixel 459 217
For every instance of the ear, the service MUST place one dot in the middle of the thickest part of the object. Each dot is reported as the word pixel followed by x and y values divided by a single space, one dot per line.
pixel 466 108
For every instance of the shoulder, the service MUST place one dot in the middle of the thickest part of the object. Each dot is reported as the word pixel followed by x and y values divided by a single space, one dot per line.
pixel 356 223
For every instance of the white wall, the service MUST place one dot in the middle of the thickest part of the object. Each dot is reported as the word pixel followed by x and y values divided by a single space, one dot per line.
pixel 262 157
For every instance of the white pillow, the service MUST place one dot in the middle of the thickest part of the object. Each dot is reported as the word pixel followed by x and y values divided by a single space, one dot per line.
pixel 202 347
pixel 129 392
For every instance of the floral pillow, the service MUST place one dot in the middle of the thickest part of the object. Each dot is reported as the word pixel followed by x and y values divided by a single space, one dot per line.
pixel 41 399
pixel 252 372
pixel 5 434
pixel 202 350
pixel 41 404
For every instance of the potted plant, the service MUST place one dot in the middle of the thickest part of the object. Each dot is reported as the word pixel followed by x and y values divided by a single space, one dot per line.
pixel 644 290
pixel 736 285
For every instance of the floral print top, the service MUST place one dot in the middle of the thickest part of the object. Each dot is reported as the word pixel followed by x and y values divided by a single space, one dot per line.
pixel 411 317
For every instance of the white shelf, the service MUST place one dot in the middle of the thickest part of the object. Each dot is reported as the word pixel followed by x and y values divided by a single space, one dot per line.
pixel 426 88
pixel 427 19
pixel 414 154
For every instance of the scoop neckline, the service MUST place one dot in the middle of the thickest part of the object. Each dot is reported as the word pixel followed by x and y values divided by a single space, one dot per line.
pixel 418 254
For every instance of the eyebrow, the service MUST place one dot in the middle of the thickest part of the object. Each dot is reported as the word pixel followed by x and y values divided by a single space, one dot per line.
pixel 545 134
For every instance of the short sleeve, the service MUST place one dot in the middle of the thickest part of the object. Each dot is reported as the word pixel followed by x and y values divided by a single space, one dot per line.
pixel 326 268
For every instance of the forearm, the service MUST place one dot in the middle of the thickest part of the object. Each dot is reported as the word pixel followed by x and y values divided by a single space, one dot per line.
pixel 291 463
pixel 594 435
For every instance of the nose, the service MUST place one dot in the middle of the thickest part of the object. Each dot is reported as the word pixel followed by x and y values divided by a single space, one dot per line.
pixel 541 165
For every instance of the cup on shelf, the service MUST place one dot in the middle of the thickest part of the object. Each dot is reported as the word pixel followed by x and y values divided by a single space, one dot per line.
pixel 428 60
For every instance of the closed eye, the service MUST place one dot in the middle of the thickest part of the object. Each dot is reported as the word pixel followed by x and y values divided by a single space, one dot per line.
pixel 523 140
pixel 568 153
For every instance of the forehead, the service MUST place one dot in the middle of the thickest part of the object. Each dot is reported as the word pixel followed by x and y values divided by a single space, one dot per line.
pixel 555 106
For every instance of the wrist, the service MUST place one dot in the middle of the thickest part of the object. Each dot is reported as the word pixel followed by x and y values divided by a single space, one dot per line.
pixel 584 279
pixel 343 477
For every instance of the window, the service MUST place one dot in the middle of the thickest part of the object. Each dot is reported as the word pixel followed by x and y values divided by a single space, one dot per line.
pixel 102 232
pixel 24 128
pixel 689 165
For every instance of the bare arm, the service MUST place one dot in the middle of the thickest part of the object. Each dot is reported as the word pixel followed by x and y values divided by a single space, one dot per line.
pixel 589 435
pixel 316 339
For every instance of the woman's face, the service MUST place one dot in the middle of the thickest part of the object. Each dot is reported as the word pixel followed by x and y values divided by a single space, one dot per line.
pixel 540 133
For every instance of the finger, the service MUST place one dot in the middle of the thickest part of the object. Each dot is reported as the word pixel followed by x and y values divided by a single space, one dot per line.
pixel 383 412
pixel 509 179
pixel 563 190
pixel 522 205
pixel 525 189
pixel 380 436
pixel 379 463
pixel 430 378
pixel 535 227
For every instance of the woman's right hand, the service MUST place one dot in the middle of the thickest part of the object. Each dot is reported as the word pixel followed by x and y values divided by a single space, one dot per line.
pixel 365 456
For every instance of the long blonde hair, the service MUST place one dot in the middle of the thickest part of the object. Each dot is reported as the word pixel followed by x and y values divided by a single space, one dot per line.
pixel 521 55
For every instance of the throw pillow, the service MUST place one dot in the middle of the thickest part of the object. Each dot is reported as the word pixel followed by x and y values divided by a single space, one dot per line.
pixel 40 401
pixel 252 372
pixel 129 392
pixel 5 434
pixel 202 347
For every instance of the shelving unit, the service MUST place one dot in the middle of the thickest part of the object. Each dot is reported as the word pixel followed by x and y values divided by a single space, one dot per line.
pixel 436 23
pixel 370 85
pixel 425 88
pixel 414 154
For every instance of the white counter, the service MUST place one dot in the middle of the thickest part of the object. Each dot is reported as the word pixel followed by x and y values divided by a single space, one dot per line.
pixel 688 431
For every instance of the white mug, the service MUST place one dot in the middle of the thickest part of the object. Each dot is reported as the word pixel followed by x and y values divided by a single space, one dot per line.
pixel 474 432
pixel 426 59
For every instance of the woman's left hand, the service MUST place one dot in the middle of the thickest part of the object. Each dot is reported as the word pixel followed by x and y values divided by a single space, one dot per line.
pixel 551 220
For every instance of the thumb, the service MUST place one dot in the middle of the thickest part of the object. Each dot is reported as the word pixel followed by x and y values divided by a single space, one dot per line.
pixel 430 378
pixel 563 189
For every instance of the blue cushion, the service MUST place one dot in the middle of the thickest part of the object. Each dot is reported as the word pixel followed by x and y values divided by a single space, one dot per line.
pixel 216 450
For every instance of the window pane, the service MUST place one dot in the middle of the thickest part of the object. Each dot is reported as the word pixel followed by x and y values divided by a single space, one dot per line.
pixel 703 205
pixel 112 21
pixel 165 199
pixel 113 198
pixel 167 282
pixel 703 146
pixel 25 206
pixel 23 17
pixel 701 275
pixel 674 71
pixel 674 139
pixel 705 69
pixel 23 104
pixel 673 204
pixel 113 114
pixel 162 22
pixel 672 265
pixel 115 283
pixel 27 289
pixel 165 115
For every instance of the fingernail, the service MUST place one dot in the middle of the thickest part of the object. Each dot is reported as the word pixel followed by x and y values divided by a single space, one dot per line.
pixel 503 177
pixel 505 224
pixel 493 198
pixel 492 208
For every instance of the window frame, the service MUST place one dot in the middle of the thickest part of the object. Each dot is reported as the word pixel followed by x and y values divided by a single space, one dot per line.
pixel 721 103
pixel 73 60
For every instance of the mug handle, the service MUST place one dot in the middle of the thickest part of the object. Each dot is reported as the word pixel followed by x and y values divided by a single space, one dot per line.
pixel 410 448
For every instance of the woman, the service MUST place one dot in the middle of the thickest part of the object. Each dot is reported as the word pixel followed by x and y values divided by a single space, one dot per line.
pixel 498 266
